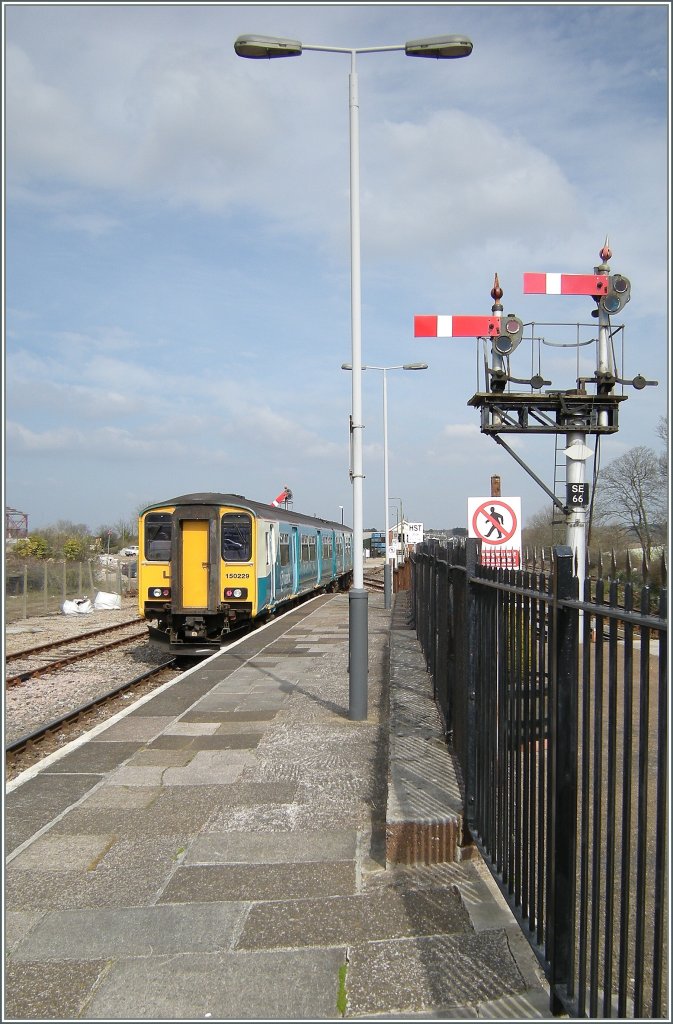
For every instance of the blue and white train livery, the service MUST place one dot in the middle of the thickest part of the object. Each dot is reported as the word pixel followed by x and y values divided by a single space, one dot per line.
pixel 209 562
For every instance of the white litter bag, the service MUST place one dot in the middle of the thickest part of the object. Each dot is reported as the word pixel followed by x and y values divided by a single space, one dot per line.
pixel 107 602
pixel 80 606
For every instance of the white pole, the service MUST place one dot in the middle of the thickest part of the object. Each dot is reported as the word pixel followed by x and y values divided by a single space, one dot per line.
pixel 358 597
pixel 387 575
pixel 577 517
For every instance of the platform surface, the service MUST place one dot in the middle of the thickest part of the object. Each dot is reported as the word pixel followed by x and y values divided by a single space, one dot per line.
pixel 219 851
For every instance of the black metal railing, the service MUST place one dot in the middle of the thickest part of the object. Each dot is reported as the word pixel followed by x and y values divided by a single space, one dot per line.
pixel 556 709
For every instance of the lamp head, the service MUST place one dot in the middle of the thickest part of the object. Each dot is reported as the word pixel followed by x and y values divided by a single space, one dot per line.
pixel 415 366
pixel 266 47
pixel 439 47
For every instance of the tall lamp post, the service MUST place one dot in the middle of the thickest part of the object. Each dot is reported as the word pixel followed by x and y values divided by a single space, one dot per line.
pixel 387 570
pixel 439 47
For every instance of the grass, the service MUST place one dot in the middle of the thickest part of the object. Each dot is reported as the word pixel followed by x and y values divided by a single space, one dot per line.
pixel 342 995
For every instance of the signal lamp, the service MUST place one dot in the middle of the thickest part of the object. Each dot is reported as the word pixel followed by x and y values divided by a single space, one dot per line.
pixel 511 331
pixel 618 294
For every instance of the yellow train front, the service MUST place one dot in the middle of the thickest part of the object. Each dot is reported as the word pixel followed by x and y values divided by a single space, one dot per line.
pixel 209 563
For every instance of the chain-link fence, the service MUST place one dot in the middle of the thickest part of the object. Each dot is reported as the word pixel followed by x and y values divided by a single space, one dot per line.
pixel 40 588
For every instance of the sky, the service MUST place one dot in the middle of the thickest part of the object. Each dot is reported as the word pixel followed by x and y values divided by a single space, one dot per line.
pixel 177 299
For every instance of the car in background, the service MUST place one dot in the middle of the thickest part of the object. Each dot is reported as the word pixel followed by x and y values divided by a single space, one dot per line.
pixel 130 552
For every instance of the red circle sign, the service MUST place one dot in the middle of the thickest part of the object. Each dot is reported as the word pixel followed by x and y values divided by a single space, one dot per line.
pixel 494 522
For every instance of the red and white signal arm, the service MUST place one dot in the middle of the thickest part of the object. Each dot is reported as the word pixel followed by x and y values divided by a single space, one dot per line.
pixel 565 284
pixel 495 521
pixel 446 326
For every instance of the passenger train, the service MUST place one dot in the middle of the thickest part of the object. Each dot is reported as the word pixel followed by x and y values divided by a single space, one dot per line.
pixel 210 562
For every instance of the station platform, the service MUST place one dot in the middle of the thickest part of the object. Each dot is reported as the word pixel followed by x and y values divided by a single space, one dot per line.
pixel 235 847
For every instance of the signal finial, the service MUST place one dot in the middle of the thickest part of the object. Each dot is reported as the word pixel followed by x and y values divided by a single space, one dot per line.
pixel 606 252
pixel 496 294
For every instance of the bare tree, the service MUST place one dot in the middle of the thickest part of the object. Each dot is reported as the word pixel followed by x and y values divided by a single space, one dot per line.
pixel 632 493
pixel 662 429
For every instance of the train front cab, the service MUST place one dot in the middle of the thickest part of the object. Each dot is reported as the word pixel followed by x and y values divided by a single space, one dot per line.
pixel 198 574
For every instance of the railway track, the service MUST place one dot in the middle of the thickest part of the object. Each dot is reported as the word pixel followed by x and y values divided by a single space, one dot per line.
pixel 373 581
pixel 49 657
pixel 50 736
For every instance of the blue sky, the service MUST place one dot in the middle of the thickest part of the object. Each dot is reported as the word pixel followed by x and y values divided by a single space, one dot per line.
pixel 177 293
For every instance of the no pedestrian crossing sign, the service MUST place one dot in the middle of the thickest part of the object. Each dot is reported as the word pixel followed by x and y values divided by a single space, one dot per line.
pixel 495 521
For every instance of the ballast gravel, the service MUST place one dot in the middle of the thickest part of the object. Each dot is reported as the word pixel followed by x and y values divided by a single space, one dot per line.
pixel 37 701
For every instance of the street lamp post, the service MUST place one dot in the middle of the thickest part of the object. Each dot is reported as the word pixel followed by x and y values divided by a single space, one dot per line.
pixel 342 514
pixel 387 569
pixel 439 47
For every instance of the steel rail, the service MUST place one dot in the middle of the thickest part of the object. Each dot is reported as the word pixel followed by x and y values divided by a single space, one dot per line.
pixel 28 651
pixel 58 723
pixel 22 677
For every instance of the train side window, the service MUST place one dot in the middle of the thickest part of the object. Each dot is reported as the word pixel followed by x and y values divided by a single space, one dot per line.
pixel 158 529
pixel 285 549
pixel 236 537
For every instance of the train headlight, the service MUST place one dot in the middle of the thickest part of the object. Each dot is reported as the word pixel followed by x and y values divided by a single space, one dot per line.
pixel 159 592
pixel 235 592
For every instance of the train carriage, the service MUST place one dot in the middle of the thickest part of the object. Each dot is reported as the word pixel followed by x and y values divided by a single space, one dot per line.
pixel 209 562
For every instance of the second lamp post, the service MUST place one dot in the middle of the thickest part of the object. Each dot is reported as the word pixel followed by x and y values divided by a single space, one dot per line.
pixel 387 569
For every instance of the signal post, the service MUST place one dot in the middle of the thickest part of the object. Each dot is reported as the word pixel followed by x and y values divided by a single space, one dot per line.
pixel 575 412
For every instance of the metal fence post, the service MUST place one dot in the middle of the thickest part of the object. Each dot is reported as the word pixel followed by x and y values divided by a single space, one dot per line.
pixel 471 560
pixel 563 775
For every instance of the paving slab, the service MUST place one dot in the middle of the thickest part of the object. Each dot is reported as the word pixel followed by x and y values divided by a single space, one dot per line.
pixel 203 883
pixel 136 728
pixel 352 920
pixel 50 991
pixel 39 801
pixel 96 757
pixel 426 971
pixel 96 934
pixel 64 853
pixel 37 890
pixel 296 984
pixel 286 847
pixel 159 811
pixel 229 716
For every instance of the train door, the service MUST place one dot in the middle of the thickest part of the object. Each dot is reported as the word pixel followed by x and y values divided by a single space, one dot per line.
pixel 319 553
pixel 295 560
pixel 273 558
pixel 339 553
pixel 195 556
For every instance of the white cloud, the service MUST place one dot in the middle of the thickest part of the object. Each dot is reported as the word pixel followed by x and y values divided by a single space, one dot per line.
pixel 178 257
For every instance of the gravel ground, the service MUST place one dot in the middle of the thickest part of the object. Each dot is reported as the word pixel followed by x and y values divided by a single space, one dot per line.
pixel 30 705
pixel 42 629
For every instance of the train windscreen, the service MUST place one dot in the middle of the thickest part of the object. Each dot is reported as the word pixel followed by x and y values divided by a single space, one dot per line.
pixel 158 528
